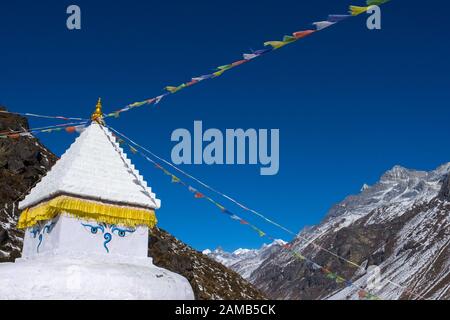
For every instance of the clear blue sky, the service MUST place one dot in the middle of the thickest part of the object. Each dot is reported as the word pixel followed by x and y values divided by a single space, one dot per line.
pixel 350 103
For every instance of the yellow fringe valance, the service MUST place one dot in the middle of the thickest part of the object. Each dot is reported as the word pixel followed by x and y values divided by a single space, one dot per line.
pixel 89 210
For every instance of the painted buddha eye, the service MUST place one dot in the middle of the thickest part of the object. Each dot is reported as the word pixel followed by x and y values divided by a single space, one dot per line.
pixel 121 232
pixel 35 232
pixel 48 228
pixel 93 229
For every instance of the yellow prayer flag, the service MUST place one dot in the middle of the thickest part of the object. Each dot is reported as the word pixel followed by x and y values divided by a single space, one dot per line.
pixel 276 44
pixel 355 10
pixel 218 73
pixel 171 89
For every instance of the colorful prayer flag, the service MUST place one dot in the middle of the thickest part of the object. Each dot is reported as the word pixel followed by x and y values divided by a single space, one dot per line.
pixel 316 266
pixel 235 217
pixel 289 39
pixel 218 205
pixel 275 44
pixel 175 89
pixel 225 67
pixel 191 83
pixel 355 10
pixel 331 275
pixel 320 25
pixel 14 136
pixel 204 77
pixel 159 98
pixel 137 104
pixel 340 280
pixel 238 63
pixel 338 17
pixel 362 294
pixel 325 270
pixel 70 129
pixel 302 34
pixel 133 150
pixel 250 56
pixel 171 89
pixel 376 2
pixel 198 195
pixel 218 73
pixel 300 256
pixel 262 51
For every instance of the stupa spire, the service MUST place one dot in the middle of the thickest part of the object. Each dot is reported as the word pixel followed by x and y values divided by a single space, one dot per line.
pixel 98 113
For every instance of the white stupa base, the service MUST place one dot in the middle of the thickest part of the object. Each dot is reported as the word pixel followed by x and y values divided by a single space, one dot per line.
pixel 99 277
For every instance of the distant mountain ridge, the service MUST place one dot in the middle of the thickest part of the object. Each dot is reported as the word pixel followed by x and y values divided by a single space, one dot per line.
pixel 244 261
pixel 400 224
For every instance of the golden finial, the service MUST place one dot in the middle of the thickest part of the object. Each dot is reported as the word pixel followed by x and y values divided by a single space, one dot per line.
pixel 98 114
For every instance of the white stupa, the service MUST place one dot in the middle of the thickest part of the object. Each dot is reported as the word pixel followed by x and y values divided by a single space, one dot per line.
pixel 86 230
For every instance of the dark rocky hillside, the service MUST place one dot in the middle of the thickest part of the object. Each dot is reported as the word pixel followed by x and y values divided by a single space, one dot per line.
pixel 23 160
pixel 208 278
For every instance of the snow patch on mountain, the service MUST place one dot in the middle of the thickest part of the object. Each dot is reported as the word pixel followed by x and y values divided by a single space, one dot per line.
pixel 245 261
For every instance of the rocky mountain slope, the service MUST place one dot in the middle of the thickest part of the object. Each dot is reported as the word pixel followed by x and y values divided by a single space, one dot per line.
pixel 24 160
pixel 208 278
pixel 401 225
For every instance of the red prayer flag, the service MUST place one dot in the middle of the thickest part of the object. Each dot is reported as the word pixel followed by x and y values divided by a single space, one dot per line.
pixel 302 34
pixel 362 294
pixel 198 195
pixel 191 83
pixel 14 136
pixel 70 129
pixel 325 270
pixel 238 63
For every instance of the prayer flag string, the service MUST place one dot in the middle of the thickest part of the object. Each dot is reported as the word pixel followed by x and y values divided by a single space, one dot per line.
pixel 68 127
pixel 199 195
pixel 363 294
pixel 247 57
pixel 43 116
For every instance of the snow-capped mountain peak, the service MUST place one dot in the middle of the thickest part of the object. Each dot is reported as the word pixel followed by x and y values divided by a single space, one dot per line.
pixel 400 224
pixel 245 261
pixel 364 187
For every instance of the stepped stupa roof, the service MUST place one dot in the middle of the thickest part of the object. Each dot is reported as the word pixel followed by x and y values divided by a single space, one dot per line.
pixel 94 168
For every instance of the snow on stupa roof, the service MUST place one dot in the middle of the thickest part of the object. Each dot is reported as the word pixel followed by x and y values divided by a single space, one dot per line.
pixel 95 168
